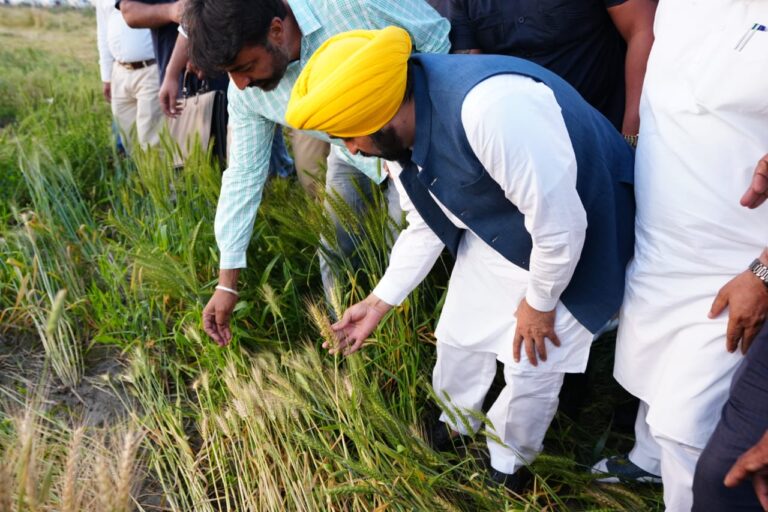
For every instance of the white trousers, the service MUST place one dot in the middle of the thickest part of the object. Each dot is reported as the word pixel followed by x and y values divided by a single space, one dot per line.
pixel 135 102
pixel 646 454
pixel 674 461
pixel 678 463
pixel 519 417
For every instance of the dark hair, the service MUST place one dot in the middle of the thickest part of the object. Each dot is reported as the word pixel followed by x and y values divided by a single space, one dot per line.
pixel 219 29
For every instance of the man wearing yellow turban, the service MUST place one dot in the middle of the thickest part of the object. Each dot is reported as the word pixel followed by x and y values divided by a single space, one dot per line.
pixel 355 85
pixel 529 187
pixel 263 45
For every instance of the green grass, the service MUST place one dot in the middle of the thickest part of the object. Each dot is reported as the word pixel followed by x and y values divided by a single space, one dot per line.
pixel 97 251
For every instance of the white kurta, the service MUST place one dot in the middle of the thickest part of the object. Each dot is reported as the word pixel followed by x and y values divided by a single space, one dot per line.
pixel 516 130
pixel 704 126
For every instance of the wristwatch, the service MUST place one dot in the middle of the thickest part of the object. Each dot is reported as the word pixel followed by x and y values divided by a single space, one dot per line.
pixel 760 270
pixel 631 139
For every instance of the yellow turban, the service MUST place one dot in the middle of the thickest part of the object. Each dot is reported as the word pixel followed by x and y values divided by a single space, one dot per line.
pixel 353 84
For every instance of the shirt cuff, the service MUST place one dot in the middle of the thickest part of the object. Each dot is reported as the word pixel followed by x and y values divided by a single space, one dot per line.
pixel 230 260
pixel 106 71
pixel 538 302
pixel 388 291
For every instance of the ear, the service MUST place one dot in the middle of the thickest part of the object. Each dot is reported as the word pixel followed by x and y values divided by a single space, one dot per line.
pixel 276 32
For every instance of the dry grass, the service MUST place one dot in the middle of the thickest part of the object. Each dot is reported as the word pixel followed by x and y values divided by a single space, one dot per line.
pixel 49 467
pixel 63 33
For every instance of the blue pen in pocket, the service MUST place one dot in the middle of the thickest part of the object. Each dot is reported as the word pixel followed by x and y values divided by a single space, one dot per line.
pixel 757 27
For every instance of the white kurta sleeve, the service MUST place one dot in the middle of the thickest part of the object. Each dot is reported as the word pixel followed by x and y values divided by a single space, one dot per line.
pixel 515 127
pixel 413 255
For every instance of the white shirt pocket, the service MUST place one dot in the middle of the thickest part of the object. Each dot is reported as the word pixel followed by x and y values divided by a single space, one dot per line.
pixel 734 76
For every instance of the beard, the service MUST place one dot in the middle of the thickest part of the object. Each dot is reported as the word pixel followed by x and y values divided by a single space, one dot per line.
pixel 389 145
pixel 280 61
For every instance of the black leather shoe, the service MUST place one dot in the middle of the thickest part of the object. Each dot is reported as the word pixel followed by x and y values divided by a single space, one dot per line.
pixel 512 482
pixel 443 439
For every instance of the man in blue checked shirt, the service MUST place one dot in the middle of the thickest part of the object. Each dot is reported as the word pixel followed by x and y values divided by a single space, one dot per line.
pixel 263 45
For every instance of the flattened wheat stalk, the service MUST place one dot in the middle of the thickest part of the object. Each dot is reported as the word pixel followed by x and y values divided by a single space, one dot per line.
pixel 6 486
pixel 104 482
pixel 125 471
pixel 69 497
pixel 27 467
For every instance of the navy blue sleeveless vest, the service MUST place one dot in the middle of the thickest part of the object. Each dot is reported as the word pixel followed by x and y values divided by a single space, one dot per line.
pixel 451 171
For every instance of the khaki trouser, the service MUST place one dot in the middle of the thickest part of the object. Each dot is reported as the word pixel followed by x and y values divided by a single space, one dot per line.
pixel 309 157
pixel 135 102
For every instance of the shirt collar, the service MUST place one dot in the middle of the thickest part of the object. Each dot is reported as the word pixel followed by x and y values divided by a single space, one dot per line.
pixel 305 16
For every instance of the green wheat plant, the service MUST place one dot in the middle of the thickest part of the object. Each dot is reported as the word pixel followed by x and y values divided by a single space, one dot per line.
pixel 106 257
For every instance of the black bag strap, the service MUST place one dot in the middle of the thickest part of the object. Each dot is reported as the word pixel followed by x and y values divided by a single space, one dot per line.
pixel 191 86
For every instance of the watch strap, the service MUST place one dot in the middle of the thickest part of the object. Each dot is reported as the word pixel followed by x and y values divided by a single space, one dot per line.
pixel 760 270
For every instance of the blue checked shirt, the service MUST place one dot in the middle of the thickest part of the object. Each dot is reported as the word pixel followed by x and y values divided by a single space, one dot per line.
pixel 253 113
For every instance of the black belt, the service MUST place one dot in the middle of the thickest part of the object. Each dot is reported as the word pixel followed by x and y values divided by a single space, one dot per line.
pixel 138 64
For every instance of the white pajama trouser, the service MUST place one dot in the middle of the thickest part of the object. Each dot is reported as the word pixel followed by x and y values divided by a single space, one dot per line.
pixel 646 454
pixel 519 417
pixel 135 102
pixel 678 463
pixel 674 461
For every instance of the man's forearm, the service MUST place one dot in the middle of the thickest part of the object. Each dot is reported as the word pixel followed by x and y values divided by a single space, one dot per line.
pixel 243 182
pixel 239 200
pixel 140 15
pixel 378 304
pixel 634 21
pixel 764 257
pixel 637 58
pixel 228 277
pixel 178 61
pixel 413 255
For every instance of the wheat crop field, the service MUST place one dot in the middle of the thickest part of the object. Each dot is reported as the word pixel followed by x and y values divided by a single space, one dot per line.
pixel 112 398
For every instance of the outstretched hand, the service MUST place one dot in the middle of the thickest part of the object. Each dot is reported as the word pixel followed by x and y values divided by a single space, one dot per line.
pixel 753 463
pixel 356 324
